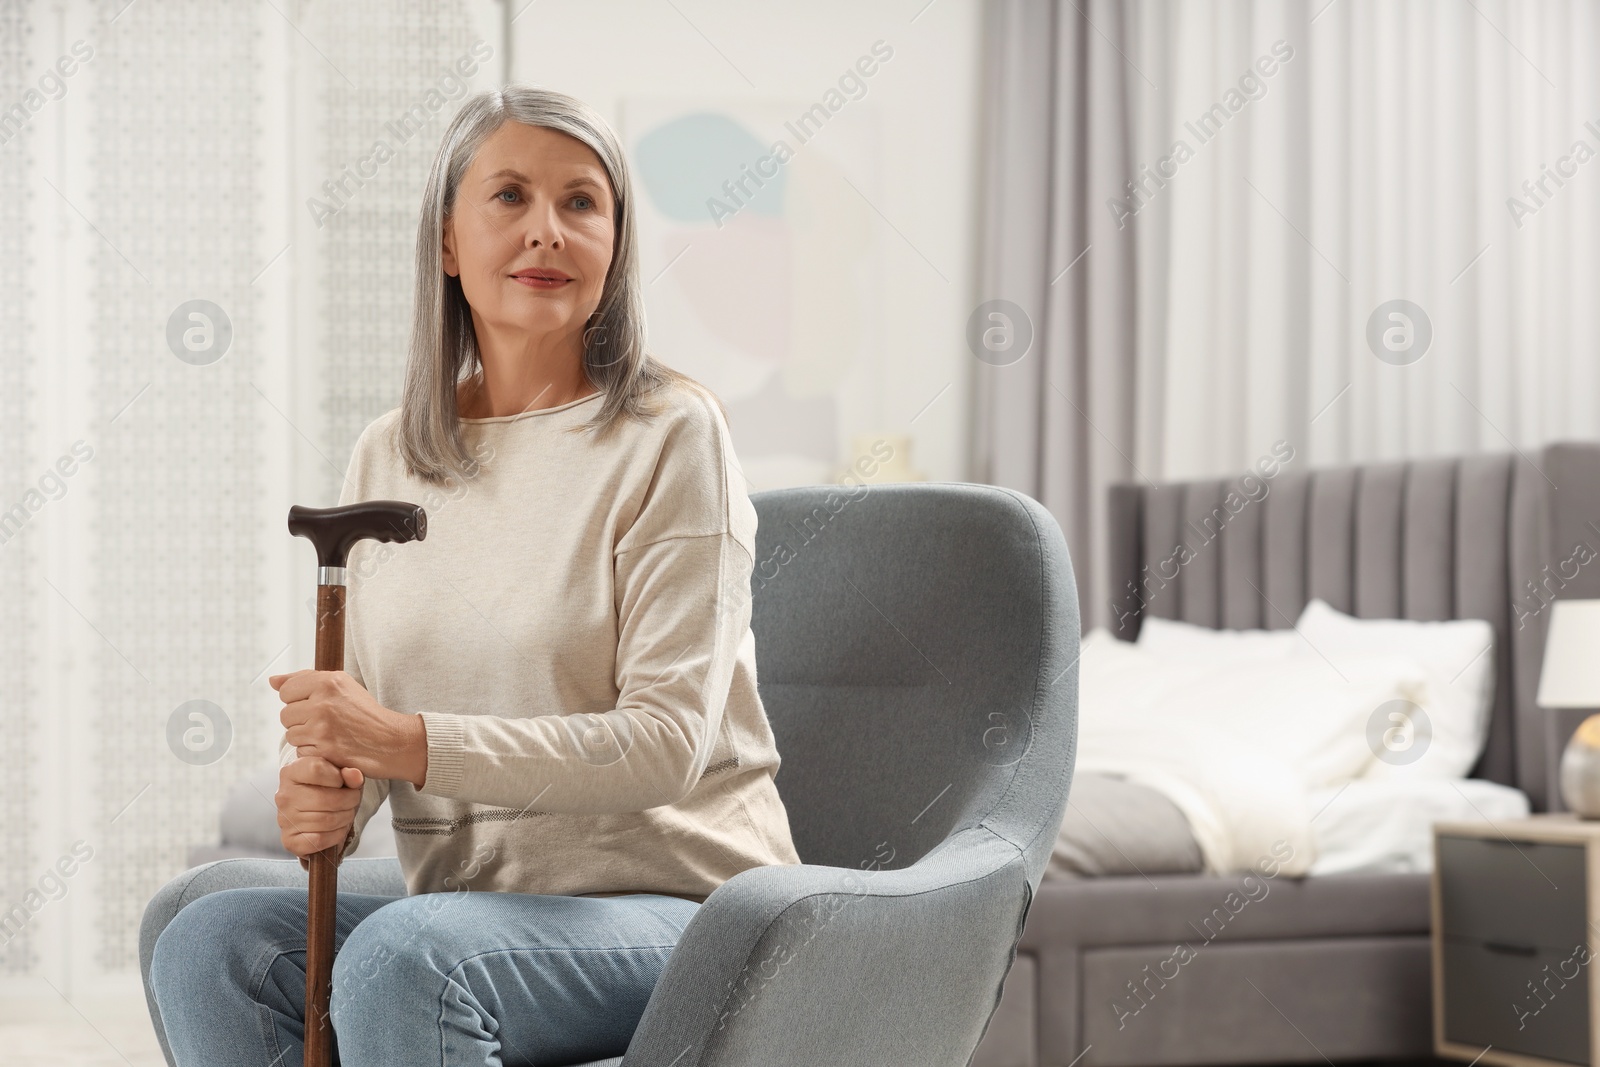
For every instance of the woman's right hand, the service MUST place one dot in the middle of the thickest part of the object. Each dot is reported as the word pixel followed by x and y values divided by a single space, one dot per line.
pixel 317 805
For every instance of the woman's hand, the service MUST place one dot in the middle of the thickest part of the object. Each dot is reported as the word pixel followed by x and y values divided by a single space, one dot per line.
pixel 331 715
pixel 316 805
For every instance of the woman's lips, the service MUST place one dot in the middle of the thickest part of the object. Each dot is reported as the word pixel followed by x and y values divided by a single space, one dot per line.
pixel 540 283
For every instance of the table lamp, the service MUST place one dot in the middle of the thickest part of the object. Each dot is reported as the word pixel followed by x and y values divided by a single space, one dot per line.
pixel 1570 678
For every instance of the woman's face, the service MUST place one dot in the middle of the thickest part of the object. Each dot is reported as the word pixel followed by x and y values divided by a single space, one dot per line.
pixel 533 198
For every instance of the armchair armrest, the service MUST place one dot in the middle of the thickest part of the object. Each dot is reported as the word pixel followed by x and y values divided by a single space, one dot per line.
pixel 791 964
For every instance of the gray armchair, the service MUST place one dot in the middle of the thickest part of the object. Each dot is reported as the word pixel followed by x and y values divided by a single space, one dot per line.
pixel 917 648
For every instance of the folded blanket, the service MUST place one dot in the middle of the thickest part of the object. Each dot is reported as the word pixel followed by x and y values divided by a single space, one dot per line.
pixel 1115 827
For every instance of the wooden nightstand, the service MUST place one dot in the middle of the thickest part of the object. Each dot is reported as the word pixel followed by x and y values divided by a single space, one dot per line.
pixel 1514 936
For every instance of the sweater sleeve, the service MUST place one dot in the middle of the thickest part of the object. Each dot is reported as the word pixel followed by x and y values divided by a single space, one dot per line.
pixel 681 576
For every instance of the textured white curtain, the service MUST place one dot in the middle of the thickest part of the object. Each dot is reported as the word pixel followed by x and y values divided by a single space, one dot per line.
pixel 1362 228
pixel 187 347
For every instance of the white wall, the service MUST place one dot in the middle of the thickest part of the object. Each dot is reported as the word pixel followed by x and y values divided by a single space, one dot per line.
pixel 923 103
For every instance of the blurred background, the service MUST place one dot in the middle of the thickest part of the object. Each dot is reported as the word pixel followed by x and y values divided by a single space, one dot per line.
pixel 207 227
pixel 1051 246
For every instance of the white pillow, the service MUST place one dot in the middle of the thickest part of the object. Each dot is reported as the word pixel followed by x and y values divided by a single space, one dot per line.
pixel 1299 708
pixel 1117 680
pixel 1168 637
pixel 1458 656
pixel 1269 691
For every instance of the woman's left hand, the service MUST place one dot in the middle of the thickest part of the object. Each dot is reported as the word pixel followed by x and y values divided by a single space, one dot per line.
pixel 330 714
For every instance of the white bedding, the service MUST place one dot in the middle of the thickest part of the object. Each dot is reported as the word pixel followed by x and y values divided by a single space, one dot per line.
pixel 1235 748
pixel 1455 654
pixel 1253 735
pixel 1386 824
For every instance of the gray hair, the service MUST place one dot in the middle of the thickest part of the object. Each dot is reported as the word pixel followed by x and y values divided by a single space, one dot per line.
pixel 444 347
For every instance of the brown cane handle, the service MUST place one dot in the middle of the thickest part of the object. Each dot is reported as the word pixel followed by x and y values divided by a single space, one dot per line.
pixel 324 865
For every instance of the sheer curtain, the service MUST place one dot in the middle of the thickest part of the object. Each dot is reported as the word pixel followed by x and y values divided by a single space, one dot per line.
pixel 1055 418
pixel 1364 229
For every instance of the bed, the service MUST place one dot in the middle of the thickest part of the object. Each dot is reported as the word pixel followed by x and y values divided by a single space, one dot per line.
pixel 1164 967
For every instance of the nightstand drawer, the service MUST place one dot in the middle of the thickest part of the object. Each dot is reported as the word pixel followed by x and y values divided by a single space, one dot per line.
pixel 1488 1000
pixel 1527 893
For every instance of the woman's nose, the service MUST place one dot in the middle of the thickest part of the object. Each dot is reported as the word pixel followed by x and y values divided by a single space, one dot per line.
pixel 543 225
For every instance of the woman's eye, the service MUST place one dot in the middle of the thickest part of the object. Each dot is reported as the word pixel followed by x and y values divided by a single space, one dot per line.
pixel 586 199
pixel 503 192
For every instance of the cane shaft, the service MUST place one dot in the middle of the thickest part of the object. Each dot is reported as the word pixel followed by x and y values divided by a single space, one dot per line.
pixel 325 864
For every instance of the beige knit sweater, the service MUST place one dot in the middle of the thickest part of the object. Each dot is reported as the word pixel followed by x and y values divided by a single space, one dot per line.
pixel 575 632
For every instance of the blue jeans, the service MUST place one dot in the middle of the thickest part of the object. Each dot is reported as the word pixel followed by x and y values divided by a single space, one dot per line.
pixel 439 978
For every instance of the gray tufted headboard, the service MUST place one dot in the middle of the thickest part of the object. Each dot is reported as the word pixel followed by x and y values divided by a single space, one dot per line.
pixel 1489 536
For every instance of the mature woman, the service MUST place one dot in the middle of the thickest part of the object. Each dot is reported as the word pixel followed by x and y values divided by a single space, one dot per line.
pixel 556 690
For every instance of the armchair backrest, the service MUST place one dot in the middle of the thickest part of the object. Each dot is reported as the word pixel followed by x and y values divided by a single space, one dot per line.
pixel 916 652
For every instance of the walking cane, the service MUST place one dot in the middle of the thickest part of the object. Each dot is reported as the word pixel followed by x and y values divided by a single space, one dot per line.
pixel 334 531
